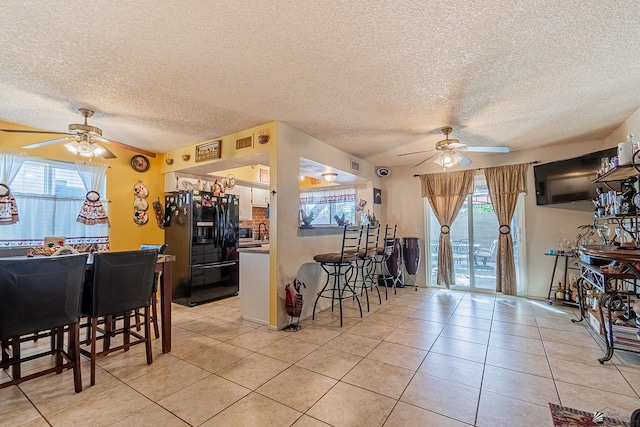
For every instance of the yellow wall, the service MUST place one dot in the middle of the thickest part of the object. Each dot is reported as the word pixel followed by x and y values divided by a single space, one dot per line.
pixel 124 234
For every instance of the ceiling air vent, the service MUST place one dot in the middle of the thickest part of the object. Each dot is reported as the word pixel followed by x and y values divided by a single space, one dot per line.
pixel 245 142
pixel 355 165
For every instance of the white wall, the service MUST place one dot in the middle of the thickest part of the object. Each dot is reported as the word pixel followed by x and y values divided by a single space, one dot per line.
pixel 544 225
pixel 292 253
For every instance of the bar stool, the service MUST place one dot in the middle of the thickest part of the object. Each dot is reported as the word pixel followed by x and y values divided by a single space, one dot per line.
pixel 338 265
pixel 363 270
pixel 383 254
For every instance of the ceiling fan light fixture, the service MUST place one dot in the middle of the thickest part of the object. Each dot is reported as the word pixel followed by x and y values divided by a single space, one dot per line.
pixel 84 148
pixel 72 147
pixel 448 159
pixel 97 150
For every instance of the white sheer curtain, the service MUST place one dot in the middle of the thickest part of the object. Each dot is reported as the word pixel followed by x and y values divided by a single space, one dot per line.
pixel 93 176
pixel 10 164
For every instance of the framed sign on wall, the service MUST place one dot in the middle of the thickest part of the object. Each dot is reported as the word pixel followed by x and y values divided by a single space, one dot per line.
pixel 208 150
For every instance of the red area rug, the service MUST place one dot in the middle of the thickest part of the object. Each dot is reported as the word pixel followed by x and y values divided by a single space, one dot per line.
pixel 569 417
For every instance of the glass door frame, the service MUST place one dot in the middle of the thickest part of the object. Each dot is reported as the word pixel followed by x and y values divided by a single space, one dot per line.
pixel 518 236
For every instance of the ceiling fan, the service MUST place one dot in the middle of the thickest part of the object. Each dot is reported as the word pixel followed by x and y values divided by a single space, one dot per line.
pixel 448 151
pixel 82 139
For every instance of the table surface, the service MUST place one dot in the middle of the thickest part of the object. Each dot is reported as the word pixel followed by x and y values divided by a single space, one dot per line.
pixel 611 252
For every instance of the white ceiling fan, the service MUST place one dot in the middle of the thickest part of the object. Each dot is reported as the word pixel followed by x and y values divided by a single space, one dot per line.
pixel 448 151
pixel 82 139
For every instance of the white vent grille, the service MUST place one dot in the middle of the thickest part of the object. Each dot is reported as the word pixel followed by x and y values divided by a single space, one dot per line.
pixel 355 165
pixel 246 142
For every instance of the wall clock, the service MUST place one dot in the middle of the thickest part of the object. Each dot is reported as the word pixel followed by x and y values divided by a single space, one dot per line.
pixel 140 163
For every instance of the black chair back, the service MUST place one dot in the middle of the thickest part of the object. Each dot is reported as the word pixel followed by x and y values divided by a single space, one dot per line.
pixel 122 281
pixel 351 241
pixel 40 293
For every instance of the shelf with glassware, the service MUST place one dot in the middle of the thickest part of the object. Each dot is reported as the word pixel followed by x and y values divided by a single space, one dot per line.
pixel 618 208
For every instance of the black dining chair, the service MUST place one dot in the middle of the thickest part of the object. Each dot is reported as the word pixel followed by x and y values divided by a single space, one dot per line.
pixel 122 282
pixel 154 292
pixel 41 294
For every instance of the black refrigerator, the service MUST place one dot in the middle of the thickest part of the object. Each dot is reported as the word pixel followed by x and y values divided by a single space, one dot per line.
pixel 201 230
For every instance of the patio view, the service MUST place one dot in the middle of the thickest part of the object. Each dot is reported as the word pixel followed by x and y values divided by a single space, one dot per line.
pixel 474 240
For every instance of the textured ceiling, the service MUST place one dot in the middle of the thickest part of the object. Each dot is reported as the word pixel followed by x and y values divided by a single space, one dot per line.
pixel 375 79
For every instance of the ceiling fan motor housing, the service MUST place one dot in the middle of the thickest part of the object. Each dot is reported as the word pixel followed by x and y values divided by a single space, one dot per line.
pixel 80 128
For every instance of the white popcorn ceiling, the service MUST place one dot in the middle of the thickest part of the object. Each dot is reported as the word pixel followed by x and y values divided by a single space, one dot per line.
pixel 375 79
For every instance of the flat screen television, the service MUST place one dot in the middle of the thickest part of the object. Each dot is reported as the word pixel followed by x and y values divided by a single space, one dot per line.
pixel 570 180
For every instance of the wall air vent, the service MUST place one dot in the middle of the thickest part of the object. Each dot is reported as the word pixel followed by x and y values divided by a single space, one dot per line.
pixel 245 142
pixel 355 165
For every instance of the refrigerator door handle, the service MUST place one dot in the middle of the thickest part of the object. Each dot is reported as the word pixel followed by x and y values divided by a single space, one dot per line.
pixel 217 265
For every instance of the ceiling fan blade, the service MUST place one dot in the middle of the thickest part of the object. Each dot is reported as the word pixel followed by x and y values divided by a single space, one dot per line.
pixel 107 153
pixel 132 148
pixel 48 142
pixel 34 131
pixel 414 152
pixel 456 145
pixel 465 160
pixel 487 149
pixel 427 159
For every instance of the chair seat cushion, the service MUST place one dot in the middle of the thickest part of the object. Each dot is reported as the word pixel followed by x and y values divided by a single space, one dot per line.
pixel 334 257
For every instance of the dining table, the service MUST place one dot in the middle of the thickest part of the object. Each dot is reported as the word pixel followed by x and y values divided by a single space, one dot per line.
pixel 164 265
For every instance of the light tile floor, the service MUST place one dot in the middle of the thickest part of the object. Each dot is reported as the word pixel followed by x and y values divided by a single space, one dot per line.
pixel 430 357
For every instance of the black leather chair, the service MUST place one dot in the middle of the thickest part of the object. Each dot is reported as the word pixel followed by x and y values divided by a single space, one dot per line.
pixel 154 293
pixel 122 282
pixel 38 294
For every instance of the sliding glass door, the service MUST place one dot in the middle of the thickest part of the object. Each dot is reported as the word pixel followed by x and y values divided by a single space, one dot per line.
pixel 474 240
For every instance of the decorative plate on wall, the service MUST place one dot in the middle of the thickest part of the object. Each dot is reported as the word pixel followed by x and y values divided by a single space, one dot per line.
pixel 140 163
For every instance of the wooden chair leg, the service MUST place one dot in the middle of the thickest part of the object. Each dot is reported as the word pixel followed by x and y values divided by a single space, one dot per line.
pixel 15 347
pixel 108 326
pixel 137 316
pixel 94 332
pixel 74 352
pixel 147 336
pixel 154 313
pixel 58 337
pixel 126 339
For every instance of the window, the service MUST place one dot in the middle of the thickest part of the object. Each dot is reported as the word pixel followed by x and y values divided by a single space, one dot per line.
pixel 49 195
pixel 329 205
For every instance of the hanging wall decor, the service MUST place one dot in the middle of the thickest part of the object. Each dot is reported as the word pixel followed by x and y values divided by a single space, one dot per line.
pixel 140 204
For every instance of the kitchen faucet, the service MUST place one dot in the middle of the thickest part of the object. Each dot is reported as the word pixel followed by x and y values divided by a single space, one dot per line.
pixel 260 228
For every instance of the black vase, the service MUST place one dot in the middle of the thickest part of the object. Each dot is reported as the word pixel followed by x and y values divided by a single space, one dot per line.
pixel 411 254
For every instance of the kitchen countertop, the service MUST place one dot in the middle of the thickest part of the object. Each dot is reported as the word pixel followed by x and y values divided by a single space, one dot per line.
pixel 263 249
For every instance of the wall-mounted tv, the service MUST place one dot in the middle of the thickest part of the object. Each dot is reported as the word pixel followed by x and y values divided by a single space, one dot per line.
pixel 569 181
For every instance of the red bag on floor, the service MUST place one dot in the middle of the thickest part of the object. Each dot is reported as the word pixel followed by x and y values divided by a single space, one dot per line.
pixel 293 298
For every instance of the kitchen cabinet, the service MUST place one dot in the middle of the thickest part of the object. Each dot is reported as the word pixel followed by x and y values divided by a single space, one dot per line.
pixel 260 197
pixel 244 195
pixel 254 285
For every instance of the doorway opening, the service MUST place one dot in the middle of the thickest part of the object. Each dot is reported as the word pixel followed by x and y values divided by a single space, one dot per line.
pixel 474 241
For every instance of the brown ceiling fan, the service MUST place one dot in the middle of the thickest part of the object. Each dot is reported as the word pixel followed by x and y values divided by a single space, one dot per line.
pixel 83 139
pixel 448 151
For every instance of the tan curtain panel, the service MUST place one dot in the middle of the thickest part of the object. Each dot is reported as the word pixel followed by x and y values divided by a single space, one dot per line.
pixel 446 193
pixel 505 184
